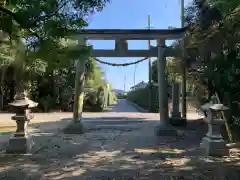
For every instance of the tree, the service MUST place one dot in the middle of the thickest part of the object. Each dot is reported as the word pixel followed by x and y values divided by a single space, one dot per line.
pixel 173 70
pixel 214 37
pixel 41 28
pixel 94 74
pixel 42 24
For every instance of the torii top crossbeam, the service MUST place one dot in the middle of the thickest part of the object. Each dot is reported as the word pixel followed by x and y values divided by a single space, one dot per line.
pixel 132 34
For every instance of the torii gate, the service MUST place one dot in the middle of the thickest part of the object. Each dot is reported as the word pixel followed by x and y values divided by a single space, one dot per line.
pixel 121 50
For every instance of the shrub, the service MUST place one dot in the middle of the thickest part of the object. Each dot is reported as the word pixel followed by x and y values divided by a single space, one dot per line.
pixel 121 96
pixel 111 98
pixel 141 98
pixel 45 103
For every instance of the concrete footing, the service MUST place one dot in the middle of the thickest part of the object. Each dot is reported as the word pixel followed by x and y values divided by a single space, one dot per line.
pixel 177 121
pixel 74 128
pixel 163 130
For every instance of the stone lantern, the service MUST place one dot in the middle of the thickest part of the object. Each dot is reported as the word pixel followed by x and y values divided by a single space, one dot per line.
pixel 213 143
pixel 21 142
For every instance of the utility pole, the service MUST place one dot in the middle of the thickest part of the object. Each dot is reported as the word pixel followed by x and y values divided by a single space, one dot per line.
pixel 149 70
pixel 134 75
pixel 124 83
pixel 184 84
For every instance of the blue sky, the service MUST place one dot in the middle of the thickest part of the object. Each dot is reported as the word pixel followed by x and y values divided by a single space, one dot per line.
pixel 132 14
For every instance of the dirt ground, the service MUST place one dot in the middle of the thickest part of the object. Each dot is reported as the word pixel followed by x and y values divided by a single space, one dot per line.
pixel 116 149
pixel 116 146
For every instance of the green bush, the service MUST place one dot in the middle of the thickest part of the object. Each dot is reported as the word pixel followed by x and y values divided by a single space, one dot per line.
pixel 101 102
pixel 121 96
pixel 45 103
pixel 98 98
pixel 141 98
pixel 111 98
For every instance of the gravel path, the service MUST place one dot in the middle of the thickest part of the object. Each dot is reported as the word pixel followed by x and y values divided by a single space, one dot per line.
pixel 114 150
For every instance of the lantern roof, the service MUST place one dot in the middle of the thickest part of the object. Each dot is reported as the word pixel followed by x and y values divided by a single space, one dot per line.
pixel 21 100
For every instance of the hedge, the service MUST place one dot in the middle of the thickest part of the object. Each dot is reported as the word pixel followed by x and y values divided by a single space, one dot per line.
pixel 141 98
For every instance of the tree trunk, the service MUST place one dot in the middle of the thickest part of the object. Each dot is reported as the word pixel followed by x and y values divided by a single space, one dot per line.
pixel 12 84
pixel 2 88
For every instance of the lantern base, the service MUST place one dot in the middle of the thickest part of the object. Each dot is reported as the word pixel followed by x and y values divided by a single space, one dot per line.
pixel 212 147
pixel 20 145
pixel 74 128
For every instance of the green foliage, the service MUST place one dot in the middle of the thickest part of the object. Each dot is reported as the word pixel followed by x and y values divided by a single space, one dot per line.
pixel 121 96
pixel 101 95
pixel 224 6
pixel 98 95
pixel 46 103
pixel 50 18
pixel 141 98
pixel 37 42
pixel 98 99
pixel 111 97
pixel 94 75
pixel 224 74
pixel 214 30
pixel 173 69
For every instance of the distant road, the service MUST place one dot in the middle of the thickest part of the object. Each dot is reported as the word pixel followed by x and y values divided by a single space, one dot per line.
pixel 123 106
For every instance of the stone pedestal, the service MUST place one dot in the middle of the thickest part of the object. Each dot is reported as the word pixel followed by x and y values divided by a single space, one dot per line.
pixel 20 145
pixel 21 142
pixel 175 118
pixel 214 147
pixel 213 143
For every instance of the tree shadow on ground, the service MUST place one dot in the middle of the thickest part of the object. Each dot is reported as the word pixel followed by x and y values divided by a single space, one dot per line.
pixel 116 150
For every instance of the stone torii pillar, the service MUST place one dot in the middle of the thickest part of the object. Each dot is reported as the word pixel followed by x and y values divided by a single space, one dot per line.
pixel 176 119
pixel 76 127
pixel 164 128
